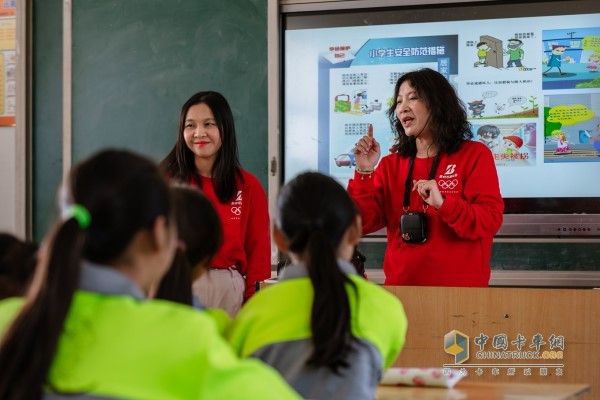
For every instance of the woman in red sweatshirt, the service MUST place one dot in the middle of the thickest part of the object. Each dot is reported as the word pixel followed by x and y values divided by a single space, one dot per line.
pixel 206 155
pixel 437 194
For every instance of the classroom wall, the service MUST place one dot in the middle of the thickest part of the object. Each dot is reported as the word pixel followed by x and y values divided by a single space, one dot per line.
pixel 7 177
pixel 134 63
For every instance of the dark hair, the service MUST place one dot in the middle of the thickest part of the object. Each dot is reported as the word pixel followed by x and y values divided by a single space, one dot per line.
pixel 493 129
pixel 314 212
pixel 17 265
pixel 448 116
pixel 180 164
pixel 124 193
pixel 200 237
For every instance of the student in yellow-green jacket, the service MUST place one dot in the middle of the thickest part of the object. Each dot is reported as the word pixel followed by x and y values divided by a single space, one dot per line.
pixel 86 329
pixel 328 332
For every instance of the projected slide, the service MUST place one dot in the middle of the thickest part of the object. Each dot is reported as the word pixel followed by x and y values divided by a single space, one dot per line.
pixel 531 88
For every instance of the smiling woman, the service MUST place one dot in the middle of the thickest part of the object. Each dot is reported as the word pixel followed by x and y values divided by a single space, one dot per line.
pixel 206 156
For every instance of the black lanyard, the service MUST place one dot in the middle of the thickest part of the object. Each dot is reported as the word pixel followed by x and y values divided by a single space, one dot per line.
pixel 408 182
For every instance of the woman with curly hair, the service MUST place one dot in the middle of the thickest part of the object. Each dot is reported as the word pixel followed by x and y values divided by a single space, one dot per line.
pixel 437 193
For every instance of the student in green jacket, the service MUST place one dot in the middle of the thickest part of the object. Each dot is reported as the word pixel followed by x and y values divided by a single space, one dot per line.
pixel 329 332
pixel 86 328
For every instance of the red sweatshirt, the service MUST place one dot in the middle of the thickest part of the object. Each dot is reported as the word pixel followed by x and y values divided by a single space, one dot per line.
pixel 459 235
pixel 246 231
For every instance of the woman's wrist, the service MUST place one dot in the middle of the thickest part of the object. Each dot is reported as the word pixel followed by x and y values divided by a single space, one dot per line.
pixel 364 171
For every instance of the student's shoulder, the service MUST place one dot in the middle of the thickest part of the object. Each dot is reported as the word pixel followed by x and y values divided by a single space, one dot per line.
pixel 279 299
pixel 9 308
pixel 157 313
pixel 374 293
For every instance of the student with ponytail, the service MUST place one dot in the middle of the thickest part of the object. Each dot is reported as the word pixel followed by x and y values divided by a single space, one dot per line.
pixel 329 332
pixel 86 329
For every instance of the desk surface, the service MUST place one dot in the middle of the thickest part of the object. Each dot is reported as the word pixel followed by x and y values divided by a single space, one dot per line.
pixel 487 391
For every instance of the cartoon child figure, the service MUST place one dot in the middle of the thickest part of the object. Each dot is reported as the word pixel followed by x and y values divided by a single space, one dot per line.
pixel 562 146
pixel 515 53
pixel 594 62
pixel 482 50
pixel 555 58
pixel 488 135
pixel 512 144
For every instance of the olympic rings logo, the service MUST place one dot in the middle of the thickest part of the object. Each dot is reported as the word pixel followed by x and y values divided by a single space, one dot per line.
pixel 236 210
pixel 448 184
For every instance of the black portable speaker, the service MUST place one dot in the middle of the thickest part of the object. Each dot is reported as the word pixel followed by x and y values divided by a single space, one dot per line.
pixel 413 227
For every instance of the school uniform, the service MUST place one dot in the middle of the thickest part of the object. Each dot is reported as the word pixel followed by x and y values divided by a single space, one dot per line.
pixel 116 344
pixel 275 327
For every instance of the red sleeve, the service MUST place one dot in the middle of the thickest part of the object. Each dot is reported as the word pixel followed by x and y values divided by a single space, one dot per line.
pixel 257 241
pixel 478 214
pixel 367 190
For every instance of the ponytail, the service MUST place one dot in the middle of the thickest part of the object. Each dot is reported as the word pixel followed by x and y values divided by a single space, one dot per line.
pixel 25 354
pixel 331 314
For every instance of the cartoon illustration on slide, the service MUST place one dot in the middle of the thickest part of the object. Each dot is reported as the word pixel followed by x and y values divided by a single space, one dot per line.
pixel 569 123
pixel 492 51
pixel 556 58
pixel 482 50
pixel 488 135
pixel 594 62
pixel 512 144
pixel 359 97
pixel 570 58
pixel 355 104
pixel 586 137
pixel 346 159
pixel 477 108
pixel 562 146
pixel 515 53
pixel 342 103
pixel 516 106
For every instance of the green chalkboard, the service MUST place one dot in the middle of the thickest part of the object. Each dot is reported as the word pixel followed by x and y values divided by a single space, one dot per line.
pixel 47 112
pixel 520 256
pixel 135 62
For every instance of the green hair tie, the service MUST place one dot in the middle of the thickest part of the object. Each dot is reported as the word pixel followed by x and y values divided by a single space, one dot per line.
pixel 81 215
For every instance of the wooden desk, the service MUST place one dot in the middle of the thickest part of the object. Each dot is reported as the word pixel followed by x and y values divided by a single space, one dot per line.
pixel 487 391
pixel 571 313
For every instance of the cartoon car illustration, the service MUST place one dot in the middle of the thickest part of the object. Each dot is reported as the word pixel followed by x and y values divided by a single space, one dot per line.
pixel 346 159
